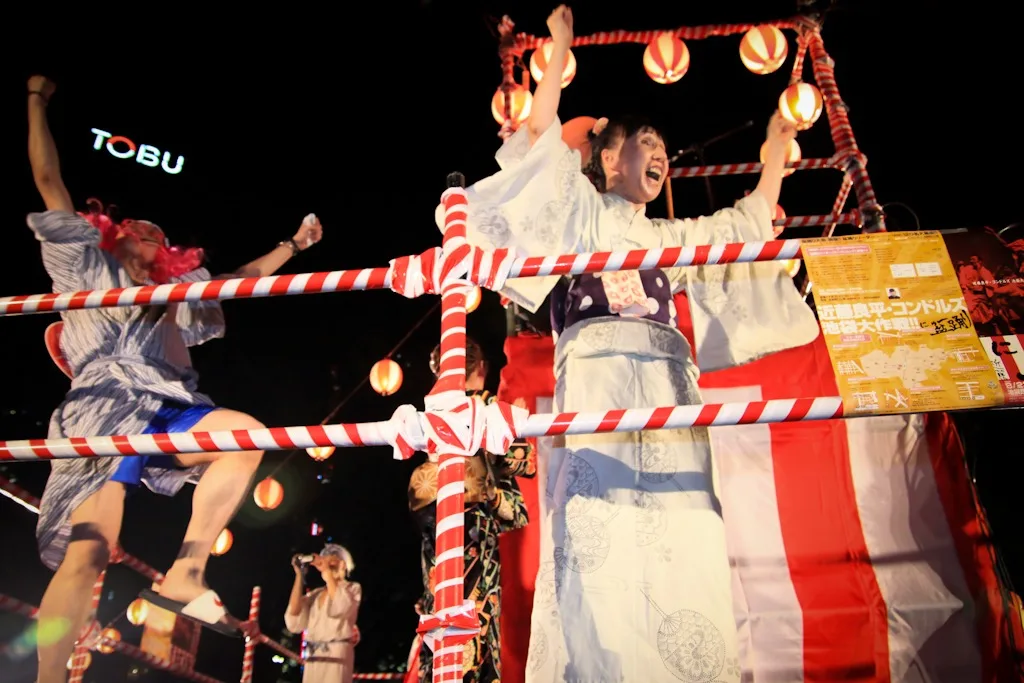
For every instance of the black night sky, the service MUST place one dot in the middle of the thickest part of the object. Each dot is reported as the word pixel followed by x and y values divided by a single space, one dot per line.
pixel 357 113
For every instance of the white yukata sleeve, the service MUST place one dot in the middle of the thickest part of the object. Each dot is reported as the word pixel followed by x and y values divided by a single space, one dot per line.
pixel 741 311
pixel 297 623
pixel 538 204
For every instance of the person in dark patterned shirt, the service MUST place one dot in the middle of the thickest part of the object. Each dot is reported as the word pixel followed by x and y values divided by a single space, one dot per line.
pixel 494 505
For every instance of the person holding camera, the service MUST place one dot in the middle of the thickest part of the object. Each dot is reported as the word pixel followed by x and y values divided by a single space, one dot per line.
pixel 327 615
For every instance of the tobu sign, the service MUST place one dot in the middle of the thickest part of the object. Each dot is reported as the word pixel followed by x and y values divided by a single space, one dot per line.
pixel 147 155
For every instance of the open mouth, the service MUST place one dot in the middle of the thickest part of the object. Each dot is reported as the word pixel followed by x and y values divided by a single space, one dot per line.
pixel 654 174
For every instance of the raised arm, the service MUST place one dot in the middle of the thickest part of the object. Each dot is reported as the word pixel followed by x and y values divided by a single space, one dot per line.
pixel 549 90
pixel 42 153
pixel 780 133
pixel 309 233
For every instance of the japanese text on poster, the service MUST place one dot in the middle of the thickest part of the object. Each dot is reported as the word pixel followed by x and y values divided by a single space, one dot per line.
pixel 896 325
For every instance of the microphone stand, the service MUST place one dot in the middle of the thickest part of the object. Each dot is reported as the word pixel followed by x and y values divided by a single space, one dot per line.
pixel 697 149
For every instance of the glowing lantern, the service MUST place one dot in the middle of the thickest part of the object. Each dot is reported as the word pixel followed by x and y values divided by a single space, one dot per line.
pixel 320 453
pixel 763 49
pixel 780 215
pixel 137 612
pixel 800 104
pixel 473 299
pixel 109 634
pixel 792 155
pixel 522 101
pixel 666 59
pixel 223 543
pixel 792 266
pixel 86 660
pixel 539 62
pixel 268 494
pixel 386 377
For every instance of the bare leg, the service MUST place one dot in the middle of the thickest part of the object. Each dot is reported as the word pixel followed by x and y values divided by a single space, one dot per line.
pixel 67 605
pixel 217 498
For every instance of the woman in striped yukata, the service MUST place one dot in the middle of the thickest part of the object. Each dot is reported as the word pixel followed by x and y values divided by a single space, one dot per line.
pixel 131 374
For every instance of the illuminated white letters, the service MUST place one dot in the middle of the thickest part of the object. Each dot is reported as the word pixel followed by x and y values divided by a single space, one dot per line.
pixel 121 147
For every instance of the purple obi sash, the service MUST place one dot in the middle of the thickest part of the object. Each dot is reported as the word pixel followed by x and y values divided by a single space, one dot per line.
pixel 583 297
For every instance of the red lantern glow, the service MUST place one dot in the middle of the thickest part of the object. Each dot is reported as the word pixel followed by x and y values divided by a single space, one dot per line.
pixel 386 377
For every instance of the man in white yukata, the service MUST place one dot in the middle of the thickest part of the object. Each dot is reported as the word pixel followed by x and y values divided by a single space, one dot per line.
pixel 327 615
pixel 634 579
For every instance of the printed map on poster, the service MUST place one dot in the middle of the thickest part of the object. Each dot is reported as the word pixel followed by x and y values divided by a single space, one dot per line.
pixel 896 325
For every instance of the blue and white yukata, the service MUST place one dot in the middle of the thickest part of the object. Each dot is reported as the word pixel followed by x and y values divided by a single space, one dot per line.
pixel 132 375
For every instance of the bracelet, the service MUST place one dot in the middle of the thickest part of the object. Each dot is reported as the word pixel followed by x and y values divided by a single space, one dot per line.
pixel 41 96
pixel 291 244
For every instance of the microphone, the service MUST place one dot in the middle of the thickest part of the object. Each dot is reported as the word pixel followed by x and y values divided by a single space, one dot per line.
pixel 303 560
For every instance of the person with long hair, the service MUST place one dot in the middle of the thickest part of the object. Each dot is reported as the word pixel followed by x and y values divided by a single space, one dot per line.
pixel 634 581
pixel 494 505
pixel 131 374
pixel 327 615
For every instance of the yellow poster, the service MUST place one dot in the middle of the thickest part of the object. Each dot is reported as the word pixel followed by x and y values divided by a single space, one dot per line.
pixel 896 325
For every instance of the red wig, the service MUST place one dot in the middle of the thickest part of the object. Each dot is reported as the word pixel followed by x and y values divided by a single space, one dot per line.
pixel 170 261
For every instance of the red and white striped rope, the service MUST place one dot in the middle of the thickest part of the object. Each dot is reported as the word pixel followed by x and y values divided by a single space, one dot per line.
pixel 220 290
pixel 750 168
pixel 481 273
pixel 527 42
pixel 384 433
pixel 249 653
pixel 378 677
pixel 9 604
pixel 451 380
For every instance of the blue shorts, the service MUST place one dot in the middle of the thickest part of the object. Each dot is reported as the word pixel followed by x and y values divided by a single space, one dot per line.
pixel 172 417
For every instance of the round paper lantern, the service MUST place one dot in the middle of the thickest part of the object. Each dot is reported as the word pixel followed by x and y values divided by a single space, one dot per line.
pixel 539 62
pixel 320 453
pixel 666 59
pixel 473 299
pixel 779 216
pixel 386 377
pixel 268 494
pixel 801 104
pixel 223 543
pixel 522 101
pixel 109 634
pixel 763 49
pixel 792 155
pixel 792 266
pixel 137 612
pixel 86 660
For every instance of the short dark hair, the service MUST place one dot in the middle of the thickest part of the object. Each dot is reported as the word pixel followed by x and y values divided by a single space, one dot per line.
pixel 619 128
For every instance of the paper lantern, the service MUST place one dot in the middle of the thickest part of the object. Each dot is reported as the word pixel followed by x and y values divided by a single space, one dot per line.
pixel 763 49
pixel 522 101
pixel 386 377
pixel 800 104
pixel 223 543
pixel 268 494
pixel 137 612
pixel 86 660
pixel 793 155
pixel 666 59
pixel 109 634
pixel 473 299
pixel 539 62
pixel 320 453
pixel 779 216
pixel 792 266
pixel 576 135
